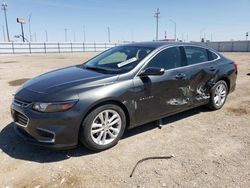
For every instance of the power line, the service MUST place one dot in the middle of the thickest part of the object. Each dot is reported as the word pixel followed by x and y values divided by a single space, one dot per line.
pixel 157 15
pixel 4 8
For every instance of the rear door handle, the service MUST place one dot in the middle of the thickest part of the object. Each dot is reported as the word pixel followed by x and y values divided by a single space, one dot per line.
pixel 212 69
pixel 180 76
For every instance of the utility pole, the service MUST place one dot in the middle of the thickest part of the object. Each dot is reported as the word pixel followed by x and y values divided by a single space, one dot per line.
pixel 108 34
pixel 165 35
pixel 30 27
pixel 157 15
pixel 65 33
pixel 4 39
pixel 4 8
pixel 46 35
pixel 246 35
pixel 84 34
pixel 174 28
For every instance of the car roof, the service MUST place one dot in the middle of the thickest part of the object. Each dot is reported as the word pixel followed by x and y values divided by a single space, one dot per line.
pixel 158 44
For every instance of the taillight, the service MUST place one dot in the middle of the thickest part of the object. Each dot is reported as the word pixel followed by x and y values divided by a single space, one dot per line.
pixel 235 67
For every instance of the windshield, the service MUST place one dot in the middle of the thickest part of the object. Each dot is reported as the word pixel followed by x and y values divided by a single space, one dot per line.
pixel 119 59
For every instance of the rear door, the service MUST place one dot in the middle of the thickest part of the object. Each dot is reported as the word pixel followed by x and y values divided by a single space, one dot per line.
pixel 200 70
pixel 160 95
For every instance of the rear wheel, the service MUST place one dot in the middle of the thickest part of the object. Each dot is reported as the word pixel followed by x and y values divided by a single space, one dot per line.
pixel 103 127
pixel 218 95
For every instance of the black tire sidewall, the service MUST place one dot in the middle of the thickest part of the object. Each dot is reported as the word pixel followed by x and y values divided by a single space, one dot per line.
pixel 212 103
pixel 85 131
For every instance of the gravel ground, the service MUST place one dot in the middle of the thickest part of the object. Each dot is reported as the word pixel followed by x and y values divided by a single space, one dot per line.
pixel 211 148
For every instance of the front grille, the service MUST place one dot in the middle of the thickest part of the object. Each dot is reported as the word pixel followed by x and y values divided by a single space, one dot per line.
pixel 21 118
pixel 21 102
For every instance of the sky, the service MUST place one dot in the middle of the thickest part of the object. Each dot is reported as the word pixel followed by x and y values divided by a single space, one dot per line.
pixel 128 20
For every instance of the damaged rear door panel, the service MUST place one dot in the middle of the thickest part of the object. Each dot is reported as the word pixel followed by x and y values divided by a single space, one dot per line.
pixel 200 74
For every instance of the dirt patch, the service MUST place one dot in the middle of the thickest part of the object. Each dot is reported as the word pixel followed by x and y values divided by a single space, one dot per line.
pixel 238 111
pixel 18 82
pixel 5 62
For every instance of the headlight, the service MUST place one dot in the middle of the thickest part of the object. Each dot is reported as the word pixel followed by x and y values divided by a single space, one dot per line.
pixel 54 107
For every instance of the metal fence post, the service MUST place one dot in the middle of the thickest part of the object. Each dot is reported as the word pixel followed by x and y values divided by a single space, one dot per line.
pixel 58 47
pixel 232 48
pixel 71 47
pixel 248 46
pixel 95 47
pixel 83 47
pixel 13 48
pixel 29 47
pixel 45 48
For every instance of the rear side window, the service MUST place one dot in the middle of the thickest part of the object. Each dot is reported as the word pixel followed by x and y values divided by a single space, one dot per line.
pixel 211 55
pixel 195 55
pixel 167 59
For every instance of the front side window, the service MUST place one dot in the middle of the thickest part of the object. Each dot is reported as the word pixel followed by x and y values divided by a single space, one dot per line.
pixel 118 59
pixel 195 55
pixel 167 59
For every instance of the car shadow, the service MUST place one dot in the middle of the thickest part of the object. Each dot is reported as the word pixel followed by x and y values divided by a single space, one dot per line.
pixel 14 147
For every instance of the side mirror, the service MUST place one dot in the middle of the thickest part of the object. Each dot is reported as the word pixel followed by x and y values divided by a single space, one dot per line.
pixel 152 71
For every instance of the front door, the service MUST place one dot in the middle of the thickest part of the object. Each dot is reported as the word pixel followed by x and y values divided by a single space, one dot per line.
pixel 160 95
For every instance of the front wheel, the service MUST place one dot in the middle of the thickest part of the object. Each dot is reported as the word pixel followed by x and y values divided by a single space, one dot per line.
pixel 218 95
pixel 103 127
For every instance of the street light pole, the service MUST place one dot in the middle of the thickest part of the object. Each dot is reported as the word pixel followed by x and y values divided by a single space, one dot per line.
pixel 174 28
pixel 65 32
pixel 84 34
pixel 201 33
pixel 157 22
pixel 4 39
pixel 108 34
pixel 46 35
pixel 4 7
pixel 30 27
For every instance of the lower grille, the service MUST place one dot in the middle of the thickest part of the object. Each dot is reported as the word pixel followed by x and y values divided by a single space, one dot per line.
pixel 21 118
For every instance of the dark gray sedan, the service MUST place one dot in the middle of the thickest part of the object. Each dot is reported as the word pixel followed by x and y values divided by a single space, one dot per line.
pixel 123 87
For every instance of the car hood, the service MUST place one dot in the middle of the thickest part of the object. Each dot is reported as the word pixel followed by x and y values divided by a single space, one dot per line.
pixel 67 77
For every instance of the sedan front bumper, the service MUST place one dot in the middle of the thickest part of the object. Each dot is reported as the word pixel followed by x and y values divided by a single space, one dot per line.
pixel 57 130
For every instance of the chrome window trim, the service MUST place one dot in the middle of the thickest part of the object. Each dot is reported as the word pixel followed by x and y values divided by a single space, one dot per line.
pixel 181 45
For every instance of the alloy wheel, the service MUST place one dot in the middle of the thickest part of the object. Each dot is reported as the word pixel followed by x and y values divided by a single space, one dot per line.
pixel 106 127
pixel 220 95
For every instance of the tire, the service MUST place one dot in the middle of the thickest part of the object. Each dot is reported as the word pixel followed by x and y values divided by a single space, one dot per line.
pixel 217 98
pixel 97 132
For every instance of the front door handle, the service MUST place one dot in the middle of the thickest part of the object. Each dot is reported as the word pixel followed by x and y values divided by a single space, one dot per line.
pixel 180 76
